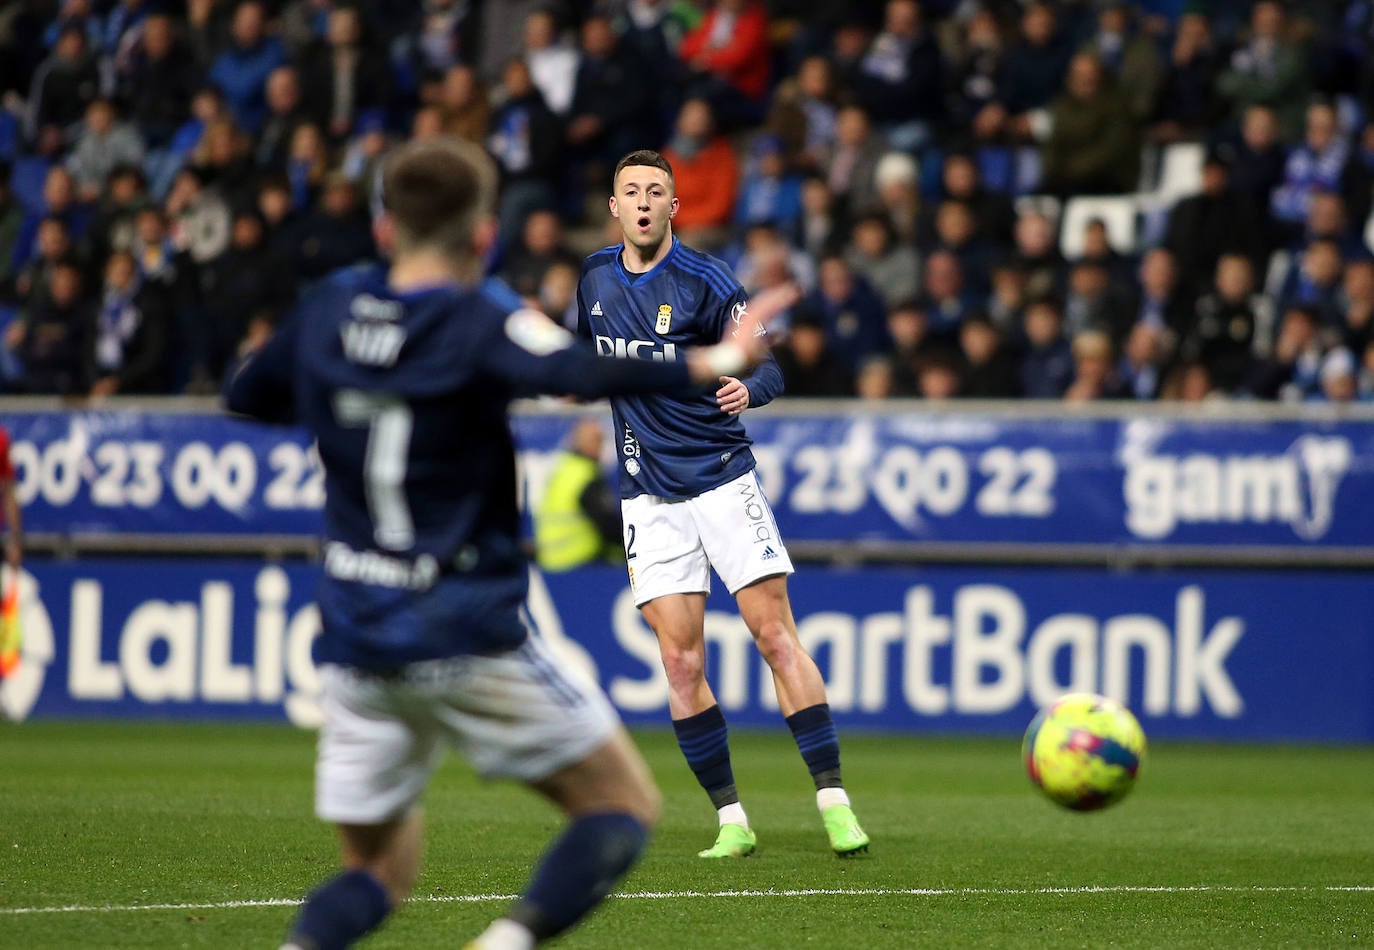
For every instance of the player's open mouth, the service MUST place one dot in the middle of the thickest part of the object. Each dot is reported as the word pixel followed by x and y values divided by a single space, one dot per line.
pixel 643 221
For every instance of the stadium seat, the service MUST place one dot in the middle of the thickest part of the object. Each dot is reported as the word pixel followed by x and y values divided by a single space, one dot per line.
pixel 1118 213
pixel 1180 171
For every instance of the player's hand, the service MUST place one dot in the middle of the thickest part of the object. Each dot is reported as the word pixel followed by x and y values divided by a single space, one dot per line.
pixel 732 396
pixel 745 345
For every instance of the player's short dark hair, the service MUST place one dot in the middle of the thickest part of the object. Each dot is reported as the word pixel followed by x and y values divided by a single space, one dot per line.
pixel 642 156
pixel 436 190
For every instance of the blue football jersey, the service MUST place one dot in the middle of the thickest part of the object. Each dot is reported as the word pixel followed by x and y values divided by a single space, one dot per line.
pixel 407 396
pixel 679 445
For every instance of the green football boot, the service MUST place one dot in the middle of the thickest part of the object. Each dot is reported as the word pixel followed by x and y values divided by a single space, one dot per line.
pixel 733 841
pixel 846 837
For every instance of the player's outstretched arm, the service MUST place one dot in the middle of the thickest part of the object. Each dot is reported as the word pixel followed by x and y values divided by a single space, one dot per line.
pixel 535 353
pixel 262 386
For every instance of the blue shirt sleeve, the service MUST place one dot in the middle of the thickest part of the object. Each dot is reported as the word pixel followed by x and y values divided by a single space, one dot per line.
pixel 263 386
pixel 530 353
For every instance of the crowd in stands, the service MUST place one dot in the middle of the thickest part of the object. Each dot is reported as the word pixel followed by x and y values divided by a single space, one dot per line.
pixel 173 175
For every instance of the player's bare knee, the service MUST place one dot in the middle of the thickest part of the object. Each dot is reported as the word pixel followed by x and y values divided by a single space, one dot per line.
pixel 684 666
pixel 778 645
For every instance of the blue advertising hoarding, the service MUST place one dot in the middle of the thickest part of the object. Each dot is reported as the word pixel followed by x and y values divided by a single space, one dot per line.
pixel 921 476
pixel 1203 654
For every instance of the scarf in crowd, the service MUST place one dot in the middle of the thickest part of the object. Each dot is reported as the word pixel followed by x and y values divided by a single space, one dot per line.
pixel 116 324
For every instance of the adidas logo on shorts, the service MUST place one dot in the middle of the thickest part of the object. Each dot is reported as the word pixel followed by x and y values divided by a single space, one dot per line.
pixel 769 553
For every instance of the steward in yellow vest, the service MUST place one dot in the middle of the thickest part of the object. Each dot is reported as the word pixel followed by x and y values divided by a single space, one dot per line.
pixel 578 519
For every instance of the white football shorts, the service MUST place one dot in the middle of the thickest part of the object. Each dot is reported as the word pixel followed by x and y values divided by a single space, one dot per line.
pixel 514 715
pixel 671 546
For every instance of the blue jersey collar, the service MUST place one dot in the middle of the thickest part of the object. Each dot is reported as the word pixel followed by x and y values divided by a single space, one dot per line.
pixel 628 279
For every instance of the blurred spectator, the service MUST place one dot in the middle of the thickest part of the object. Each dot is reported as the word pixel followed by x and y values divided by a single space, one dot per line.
pixel 850 167
pixel 1007 302
pixel 989 370
pixel 345 76
pixel 208 28
pixel 1217 220
pixel 436 41
pixel 155 87
pixel 1188 382
pixel 1047 366
pixel 121 24
pixel 852 313
pixel 552 60
pixel 307 161
pixel 1314 281
pixel 909 330
pixel 241 70
pixel 956 231
pixel 279 216
pixel 1338 376
pixel 463 104
pixel 285 111
pixel 244 281
pixel 897 188
pixel 60 200
pixel 612 110
pixel 901 80
pixel 1224 325
pixel 1093 144
pixel 1141 369
pixel 943 294
pixel 1293 372
pixel 1094 369
pixel 1097 248
pixel 938 377
pixel 1162 304
pixel 727 55
pixel 1037 254
pixel 199 217
pixel 809 365
pixel 771 190
pixel 32 281
pixel 1095 303
pixel 527 144
pixel 1317 164
pixel 1364 380
pixel 977 64
pixel 539 248
pixel 820 228
pixel 1188 106
pixel 816 95
pixel 335 234
pixel 128 350
pixel 62 85
pixel 102 144
pixel 705 174
pixel 1326 219
pixel 993 215
pixel 874 380
pixel 49 338
pixel 112 227
pixel 1258 164
pixel 1032 75
pixel 223 163
pixel 893 269
pixel 1128 56
pixel 578 518
pixel 558 293
pixel 1268 68
pixel 768 261
pixel 154 252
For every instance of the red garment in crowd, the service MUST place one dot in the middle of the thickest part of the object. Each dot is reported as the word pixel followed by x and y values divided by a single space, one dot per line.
pixel 742 59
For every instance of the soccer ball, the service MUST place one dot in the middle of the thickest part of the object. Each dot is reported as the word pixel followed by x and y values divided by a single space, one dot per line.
pixel 1084 751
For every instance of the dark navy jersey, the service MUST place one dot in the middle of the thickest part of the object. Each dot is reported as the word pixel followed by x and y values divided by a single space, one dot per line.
pixel 407 397
pixel 680 445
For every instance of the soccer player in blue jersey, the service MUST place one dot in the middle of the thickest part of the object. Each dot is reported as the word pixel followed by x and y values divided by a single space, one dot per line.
pixel 404 375
pixel 691 500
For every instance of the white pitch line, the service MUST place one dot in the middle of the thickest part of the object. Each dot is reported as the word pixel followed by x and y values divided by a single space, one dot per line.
pixel 803 892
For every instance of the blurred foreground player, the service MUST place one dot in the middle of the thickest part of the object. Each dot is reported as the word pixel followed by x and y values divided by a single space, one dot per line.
pixel 404 375
pixel 691 501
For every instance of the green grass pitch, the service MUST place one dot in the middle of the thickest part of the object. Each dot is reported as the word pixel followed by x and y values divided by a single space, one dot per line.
pixel 1219 846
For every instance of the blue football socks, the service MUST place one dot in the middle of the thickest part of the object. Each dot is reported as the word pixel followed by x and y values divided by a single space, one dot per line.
pixel 706 746
pixel 340 911
pixel 819 744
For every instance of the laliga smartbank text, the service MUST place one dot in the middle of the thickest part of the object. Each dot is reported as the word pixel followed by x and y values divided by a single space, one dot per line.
pixel 989 656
